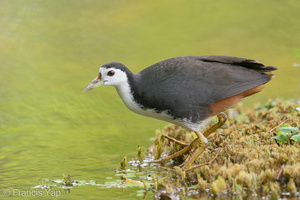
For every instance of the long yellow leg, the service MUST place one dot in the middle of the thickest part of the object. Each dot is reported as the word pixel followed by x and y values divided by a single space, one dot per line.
pixel 222 117
pixel 175 141
pixel 176 154
pixel 197 146
pixel 180 152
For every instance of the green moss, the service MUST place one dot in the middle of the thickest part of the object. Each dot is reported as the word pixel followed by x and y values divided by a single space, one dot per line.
pixel 218 186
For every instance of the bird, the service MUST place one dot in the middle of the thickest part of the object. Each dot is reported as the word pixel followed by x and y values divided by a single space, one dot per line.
pixel 186 91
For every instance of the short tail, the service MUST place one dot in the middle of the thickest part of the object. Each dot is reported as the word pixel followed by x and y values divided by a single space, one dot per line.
pixel 267 69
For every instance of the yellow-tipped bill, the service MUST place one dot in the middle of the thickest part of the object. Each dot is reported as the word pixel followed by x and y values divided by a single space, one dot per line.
pixel 97 82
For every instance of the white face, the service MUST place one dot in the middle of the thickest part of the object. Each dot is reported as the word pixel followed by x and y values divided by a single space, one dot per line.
pixel 112 76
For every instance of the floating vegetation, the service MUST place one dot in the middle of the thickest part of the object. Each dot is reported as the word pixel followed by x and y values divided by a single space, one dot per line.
pixel 244 158
pixel 65 183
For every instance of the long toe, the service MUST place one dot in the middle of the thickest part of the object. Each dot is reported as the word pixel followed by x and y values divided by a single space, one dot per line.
pixel 176 141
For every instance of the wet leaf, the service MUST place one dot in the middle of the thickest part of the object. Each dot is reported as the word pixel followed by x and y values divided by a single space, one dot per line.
pixel 281 138
pixel 296 138
pixel 289 129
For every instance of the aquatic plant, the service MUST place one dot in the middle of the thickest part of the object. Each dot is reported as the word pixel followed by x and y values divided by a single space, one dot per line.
pixel 286 134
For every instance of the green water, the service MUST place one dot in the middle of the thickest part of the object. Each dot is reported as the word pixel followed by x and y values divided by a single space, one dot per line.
pixel 50 50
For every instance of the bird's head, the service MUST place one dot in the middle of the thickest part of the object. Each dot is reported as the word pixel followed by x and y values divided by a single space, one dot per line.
pixel 112 73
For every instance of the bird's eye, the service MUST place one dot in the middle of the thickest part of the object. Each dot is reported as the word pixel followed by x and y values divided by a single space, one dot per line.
pixel 111 73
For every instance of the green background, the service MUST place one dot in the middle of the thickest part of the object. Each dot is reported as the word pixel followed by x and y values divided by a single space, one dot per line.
pixel 50 50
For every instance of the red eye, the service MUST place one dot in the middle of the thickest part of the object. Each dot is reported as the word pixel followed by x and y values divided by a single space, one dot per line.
pixel 111 73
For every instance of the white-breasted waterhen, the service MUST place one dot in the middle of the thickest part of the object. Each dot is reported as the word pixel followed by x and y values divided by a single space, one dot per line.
pixel 186 91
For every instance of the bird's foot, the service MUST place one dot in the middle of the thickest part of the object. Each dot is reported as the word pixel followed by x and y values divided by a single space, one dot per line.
pixel 187 148
pixel 196 147
pixel 175 141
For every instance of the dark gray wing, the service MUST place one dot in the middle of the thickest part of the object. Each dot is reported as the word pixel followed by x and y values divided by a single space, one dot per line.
pixel 248 63
pixel 186 86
